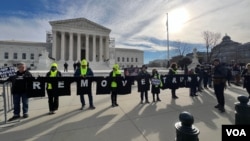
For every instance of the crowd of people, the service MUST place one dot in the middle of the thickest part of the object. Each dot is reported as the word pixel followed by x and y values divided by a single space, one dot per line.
pixel 216 76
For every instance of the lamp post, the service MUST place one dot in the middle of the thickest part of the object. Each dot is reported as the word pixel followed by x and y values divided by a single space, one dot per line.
pixel 167 39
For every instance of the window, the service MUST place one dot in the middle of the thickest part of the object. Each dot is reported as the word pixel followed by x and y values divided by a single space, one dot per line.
pixel 118 59
pixel 122 59
pixel 132 59
pixel 15 56
pixel 32 56
pixel 6 55
pixel 24 56
pixel 5 65
pixel 127 59
pixel 136 59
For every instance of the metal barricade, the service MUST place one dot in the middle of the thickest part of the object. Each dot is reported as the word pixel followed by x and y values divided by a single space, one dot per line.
pixel 7 102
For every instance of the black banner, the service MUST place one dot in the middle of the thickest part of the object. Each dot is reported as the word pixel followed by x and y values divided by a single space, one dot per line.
pixel 62 85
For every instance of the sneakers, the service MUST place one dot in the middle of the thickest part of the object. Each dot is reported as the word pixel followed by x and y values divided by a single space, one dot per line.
pixel 51 112
pixel 92 107
pixel 82 107
pixel 217 106
pixel 25 115
pixel 175 97
pixel 15 117
pixel 222 110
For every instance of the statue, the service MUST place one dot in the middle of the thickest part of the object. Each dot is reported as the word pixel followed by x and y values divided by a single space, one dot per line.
pixel 195 61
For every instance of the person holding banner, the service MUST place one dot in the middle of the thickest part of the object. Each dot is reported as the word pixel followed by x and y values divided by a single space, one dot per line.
pixel 156 84
pixel 113 75
pixel 85 71
pixel 19 91
pixel 194 84
pixel 246 78
pixel 173 71
pixel 53 98
pixel 143 83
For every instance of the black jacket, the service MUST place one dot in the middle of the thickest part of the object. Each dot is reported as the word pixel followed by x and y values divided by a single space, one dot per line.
pixel 18 82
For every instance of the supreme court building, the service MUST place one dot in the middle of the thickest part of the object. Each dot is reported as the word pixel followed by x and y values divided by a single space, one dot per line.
pixel 75 39
pixel 70 40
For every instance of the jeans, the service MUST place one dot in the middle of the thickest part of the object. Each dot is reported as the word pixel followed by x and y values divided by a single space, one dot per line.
pixel 219 92
pixel 17 103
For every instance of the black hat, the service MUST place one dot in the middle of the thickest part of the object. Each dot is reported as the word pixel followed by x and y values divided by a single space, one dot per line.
pixel 144 66
pixel 217 60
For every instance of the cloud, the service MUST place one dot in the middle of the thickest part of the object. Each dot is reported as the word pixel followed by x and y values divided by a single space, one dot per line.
pixel 139 24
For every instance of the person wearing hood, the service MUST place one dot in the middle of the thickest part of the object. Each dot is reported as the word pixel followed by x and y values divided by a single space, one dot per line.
pixel 53 98
pixel 113 74
pixel 85 71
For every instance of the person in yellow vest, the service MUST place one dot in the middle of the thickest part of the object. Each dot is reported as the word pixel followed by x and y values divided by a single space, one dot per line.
pixel 53 98
pixel 173 71
pixel 113 74
pixel 85 71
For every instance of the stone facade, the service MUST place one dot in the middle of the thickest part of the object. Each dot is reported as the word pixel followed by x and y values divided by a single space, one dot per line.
pixel 12 52
pixel 70 41
pixel 129 57
pixel 229 51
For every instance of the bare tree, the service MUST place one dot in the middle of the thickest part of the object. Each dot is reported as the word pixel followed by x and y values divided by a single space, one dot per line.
pixel 181 48
pixel 211 40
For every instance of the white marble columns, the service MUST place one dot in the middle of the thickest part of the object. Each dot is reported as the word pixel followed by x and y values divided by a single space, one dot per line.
pixel 67 44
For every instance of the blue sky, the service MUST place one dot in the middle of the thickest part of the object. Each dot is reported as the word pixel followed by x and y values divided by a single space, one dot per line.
pixel 137 24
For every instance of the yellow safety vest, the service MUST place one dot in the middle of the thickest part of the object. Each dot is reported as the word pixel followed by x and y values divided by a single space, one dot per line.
pixel 84 71
pixel 113 83
pixel 52 74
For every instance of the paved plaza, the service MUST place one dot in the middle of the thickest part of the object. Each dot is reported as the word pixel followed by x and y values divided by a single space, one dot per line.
pixel 130 121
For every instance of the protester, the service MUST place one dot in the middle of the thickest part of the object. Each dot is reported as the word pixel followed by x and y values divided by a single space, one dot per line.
pixel 53 98
pixel 156 84
pixel 19 91
pixel 143 83
pixel 219 81
pixel 192 89
pixel 85 71
pixel 246 81
pixel 113 75
pixel 173 71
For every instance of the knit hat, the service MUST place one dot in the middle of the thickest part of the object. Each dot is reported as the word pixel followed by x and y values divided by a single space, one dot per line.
pixel 116 66
pixel 84 62
pixel 54 65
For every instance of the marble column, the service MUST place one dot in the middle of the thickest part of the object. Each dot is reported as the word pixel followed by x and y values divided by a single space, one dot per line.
pixel 62 46
pixel 94 48
pixel 101 49
pixel 107 47
pixel 87 47
pixel 70 46
pixel 54 45
pixel 78 56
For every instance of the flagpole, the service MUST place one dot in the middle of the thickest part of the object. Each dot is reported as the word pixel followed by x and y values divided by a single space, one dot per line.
pixel 167 37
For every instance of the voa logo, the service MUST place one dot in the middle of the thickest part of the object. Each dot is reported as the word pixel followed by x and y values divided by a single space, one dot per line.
pixel 236 132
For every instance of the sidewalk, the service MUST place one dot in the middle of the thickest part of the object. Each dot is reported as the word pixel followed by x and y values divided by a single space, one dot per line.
pixel 130 121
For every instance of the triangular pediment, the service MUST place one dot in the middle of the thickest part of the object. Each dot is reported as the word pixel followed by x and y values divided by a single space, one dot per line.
pixel 79 23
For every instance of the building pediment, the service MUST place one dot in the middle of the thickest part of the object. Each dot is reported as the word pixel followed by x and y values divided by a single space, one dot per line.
pixel 79 23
